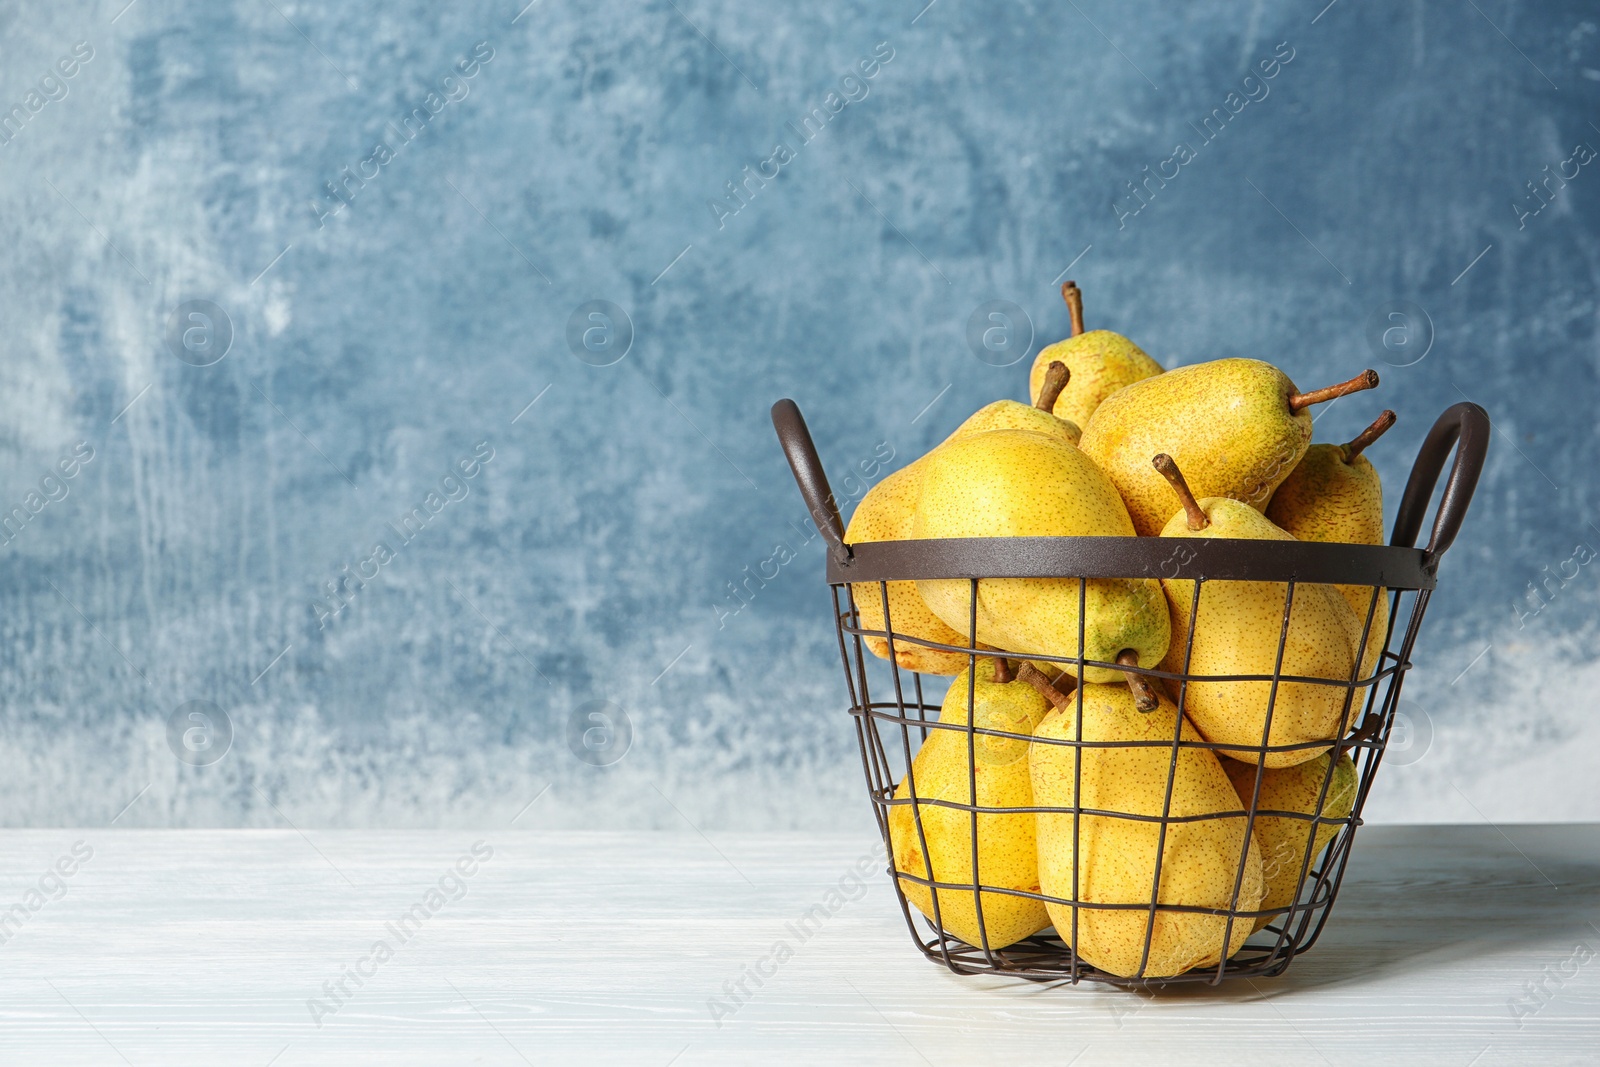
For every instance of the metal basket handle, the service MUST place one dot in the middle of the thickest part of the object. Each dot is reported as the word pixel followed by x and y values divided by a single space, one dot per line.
pixel 1467 424
pixel 801 452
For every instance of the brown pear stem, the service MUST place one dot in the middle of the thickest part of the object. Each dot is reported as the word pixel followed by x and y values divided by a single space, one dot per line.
pixel 1144 694
pixel 1002 671
pixel 1027 672
pixel 1169 470
pixel 1074 298
pixel 1367 379
pixel 1056 377
pixel 1379 427
pixel 1369 726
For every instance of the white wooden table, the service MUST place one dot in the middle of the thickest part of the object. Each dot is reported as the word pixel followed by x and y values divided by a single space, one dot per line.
pixel 210 947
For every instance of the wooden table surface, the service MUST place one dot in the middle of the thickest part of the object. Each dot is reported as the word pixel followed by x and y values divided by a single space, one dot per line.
pixel 1448 945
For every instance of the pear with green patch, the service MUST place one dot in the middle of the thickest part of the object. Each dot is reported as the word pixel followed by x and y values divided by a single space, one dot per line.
pixel 1015 483
pixel 886 513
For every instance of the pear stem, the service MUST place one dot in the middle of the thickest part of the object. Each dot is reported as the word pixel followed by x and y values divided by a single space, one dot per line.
pixel 1027 672
pixel 1056 377
pixel 1002 671
pixel 1144 694
pixel 1379 427
pixel 1367 379
pixel 1169 470
pixel 1369 726
pixel 1074 298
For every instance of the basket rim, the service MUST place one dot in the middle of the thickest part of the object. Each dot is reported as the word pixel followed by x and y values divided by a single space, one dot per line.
pixel 1180 558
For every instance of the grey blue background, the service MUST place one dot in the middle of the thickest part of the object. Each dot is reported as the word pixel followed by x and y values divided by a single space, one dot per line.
pixel 591 558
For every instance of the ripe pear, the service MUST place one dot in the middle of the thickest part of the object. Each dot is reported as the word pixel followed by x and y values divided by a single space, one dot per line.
pixel 1101 363
pixel 1006 847
pixel 886 513
pixel 1334 494
pixel 1013 415
pixel 1282 837
pixel 1238 631
pixel 1116 857
pixel 1015 483
pixel 1238 426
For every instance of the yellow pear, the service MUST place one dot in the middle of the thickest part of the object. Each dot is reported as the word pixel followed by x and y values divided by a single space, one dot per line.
pixel 1282 837
pixel 1238 426
pixel 1013 415
pixel 1015 483
pixel 1334 494
pixel 1116 857
pixel 1101 363
pixel 1238 631
pixel 999 768
pixel 886 514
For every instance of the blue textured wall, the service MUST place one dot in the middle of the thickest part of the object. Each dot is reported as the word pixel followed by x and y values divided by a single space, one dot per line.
pixel 380 336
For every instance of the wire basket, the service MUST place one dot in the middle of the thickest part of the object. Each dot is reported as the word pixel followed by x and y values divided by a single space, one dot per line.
pixel 895 709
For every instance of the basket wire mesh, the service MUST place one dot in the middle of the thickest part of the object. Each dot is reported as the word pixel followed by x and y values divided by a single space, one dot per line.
pixel 896 709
